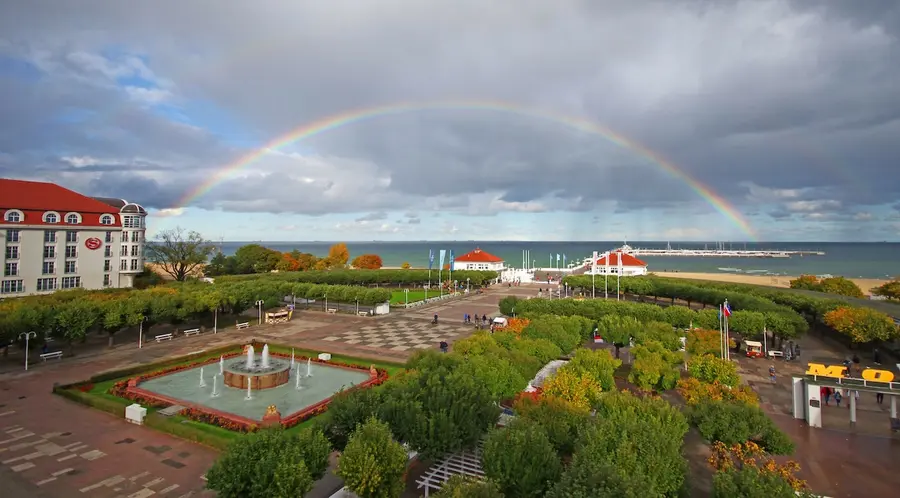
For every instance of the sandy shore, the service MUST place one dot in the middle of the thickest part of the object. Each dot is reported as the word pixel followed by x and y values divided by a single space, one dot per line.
pixel 866 284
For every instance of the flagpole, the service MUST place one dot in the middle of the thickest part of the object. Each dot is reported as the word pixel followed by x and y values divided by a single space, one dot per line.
pixel 721 334
pixel 618 274
pixel 593 274
pixel 606 278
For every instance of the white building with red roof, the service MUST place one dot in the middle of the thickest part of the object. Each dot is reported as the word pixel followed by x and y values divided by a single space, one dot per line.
pixel 620 263
pixel 478 260
pixel 55 238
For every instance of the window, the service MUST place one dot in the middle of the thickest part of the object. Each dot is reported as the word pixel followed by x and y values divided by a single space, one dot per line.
pixel 123 265
pixel 71 251
pixel 129 221
pixel 51 217
pixel 134 264
pixel 71 282
pixel 107 252
pixel 106 219
pixel 108 237
pixel 106 279
pixel 106 265
pixel 134 251
pixel 49 251
pixel 70 267
pixel 49 236
pixel 49 268
pixel 13 216
pixel 124 250
pixel 12 252
pixel 11 286
pixel 11 270
pixel 46 284
pixel 135 236
pixel 71 236
pixel 73 219
pixel 12 235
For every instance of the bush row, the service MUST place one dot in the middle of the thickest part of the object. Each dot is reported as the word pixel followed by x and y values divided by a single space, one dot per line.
pixel 412 278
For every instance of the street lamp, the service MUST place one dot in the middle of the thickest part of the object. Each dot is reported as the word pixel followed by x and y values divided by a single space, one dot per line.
pixel 326 301
pixel 357 307
pixel 27 336
pixel 259 305
pixel 141 332
pixel 406 297
pixel 216 319
pixel 467 284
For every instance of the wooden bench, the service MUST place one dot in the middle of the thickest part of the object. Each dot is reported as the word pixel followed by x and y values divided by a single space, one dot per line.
pixel 54 354
pixel 331 310
pixel 773 354
pixel 363 313
pixel 188 333
pixel 243 325
pixel 163 337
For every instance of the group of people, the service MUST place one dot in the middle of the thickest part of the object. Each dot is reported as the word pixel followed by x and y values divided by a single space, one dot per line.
pixel 853 366
pixel 479 322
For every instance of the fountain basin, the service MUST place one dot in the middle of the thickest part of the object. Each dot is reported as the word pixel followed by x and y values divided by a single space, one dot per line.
pixel 237 375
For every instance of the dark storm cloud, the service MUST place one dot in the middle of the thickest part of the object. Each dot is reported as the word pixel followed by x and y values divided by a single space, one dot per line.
pixel 811 106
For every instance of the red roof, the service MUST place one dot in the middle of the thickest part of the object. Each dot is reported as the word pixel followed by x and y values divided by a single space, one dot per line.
pixel 35 198
pixel 478 256
pixel 627 260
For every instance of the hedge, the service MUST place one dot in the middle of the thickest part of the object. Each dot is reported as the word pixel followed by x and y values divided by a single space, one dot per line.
pixel 369 277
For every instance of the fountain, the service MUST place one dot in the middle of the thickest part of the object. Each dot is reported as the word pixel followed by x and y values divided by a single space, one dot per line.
pixel 250 357
pixel 309 367
pixel 249 395
pixel 265 357
pixel 215 391
pixel 265 373
pixel 221 364
pixel 298 386
pixel 292 357
pixel 202 382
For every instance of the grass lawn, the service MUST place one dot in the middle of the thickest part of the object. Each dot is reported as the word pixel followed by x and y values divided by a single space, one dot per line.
pixel 98 397
pixel 398 297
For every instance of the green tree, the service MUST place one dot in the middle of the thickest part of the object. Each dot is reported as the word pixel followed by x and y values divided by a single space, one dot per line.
pixel 708 368
pixel 590 478
pixel 736 423
pixel 751 482
pixel 890 290
pixel 862 325
pixel 521 460
pixel 462 487
pixel 373 463
pixel 270 463
pixel 346 412
pixel 178 253
pixel 73 320
pixel 599 365
pixel 254 258
pixel 841 286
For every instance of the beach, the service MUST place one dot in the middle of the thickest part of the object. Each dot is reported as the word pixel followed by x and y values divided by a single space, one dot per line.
pixel 866 284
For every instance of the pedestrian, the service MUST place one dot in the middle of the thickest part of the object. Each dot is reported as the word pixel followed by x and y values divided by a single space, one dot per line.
pixel 772 374
pixel 879 398
pixel 826 394
pixel 876 357
pixel 838 397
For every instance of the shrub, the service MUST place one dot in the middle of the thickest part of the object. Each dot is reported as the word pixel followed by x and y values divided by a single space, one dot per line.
pixel 497 374
pixel 709 369
pixel 270 463
pixel 373 464
pixel 462 487
pixel 599 365
pixel 733 423
pixel 704 341
pixel 655 367
pixel 581 390
pixel 590 478
pixel 561 420
pixel 347 410
pixel 693 391
pixel 521 460
pixel 739 464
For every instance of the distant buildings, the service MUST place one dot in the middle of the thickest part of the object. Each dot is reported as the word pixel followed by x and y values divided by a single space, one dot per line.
pixel 55 238
pixel 478 260
pixel 631 266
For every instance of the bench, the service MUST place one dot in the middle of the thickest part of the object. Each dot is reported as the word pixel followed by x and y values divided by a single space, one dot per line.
pixel 243 325
pixel 773 354
pixel 47 356
pixel 331 310
pixel 48 339
pixel 363 313
pixel 163 337
pixel 188 333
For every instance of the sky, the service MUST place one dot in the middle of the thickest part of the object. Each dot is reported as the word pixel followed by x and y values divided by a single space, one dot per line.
pixel 510 120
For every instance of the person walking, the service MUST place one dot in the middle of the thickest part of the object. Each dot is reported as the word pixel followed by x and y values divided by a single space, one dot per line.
pixel 772 374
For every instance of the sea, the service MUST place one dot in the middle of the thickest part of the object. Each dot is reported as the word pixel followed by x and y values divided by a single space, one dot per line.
pixel 847 259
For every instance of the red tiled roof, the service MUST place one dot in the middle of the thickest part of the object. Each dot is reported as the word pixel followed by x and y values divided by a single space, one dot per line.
pixel 478 256
pixel 35 198
pixel 627 260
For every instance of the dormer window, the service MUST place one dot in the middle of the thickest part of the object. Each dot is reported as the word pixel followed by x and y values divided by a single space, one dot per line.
pixel 73 218
pixel 13 216
pixel 51 217
pixel 107 219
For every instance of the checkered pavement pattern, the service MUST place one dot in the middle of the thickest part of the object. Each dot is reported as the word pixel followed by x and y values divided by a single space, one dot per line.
pixel 398 335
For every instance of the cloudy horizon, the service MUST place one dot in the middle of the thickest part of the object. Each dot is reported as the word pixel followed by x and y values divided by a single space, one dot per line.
pixel 735 120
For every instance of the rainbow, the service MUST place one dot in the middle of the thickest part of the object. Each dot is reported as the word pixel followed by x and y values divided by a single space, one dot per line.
pixel 356 115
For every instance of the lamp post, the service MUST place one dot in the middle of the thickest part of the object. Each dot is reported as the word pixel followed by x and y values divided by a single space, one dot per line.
pixel 514 312
pixel 259 305
pixel 357 307
pixel 216 319
pixel 406 297
pixel 326 301
pixel 141 332
pixel 27 336
pixel 467 284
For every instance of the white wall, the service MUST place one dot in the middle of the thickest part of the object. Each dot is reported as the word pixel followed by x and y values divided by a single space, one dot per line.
pixel 627 271
pixel 466 265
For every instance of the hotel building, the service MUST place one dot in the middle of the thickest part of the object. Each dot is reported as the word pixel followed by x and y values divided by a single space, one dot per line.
pixel 55 238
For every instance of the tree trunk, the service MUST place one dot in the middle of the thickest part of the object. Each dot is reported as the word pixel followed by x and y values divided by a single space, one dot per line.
pixel 111 340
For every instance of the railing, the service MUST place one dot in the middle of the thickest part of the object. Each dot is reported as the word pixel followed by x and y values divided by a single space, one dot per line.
pixel 851 382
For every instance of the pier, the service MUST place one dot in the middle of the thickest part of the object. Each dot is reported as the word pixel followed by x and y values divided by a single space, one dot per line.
pixel 705 253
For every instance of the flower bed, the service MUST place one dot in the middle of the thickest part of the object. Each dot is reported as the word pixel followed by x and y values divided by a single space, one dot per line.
pixel 130 389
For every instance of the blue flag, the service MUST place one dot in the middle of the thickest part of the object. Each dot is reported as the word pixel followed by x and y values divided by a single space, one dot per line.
pixel 430 258
pixel 557 257
pixel 443 253
pixel 451 259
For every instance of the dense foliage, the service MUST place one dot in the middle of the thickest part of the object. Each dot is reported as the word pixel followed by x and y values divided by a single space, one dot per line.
pixel 367 262
pixel 463 487
pixel 889 290
pixel 655 368
pixel 737 423
pixel 709 368
pixel 398 278
pixel 270 463
pixel 373 464
pixel 744 470
pixel 830 285
pixel 521 459
pixel 862 324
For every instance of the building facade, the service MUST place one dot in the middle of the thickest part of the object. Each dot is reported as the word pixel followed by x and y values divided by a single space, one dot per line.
pixel 55 238
pixel 630 265
pixel 478 260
